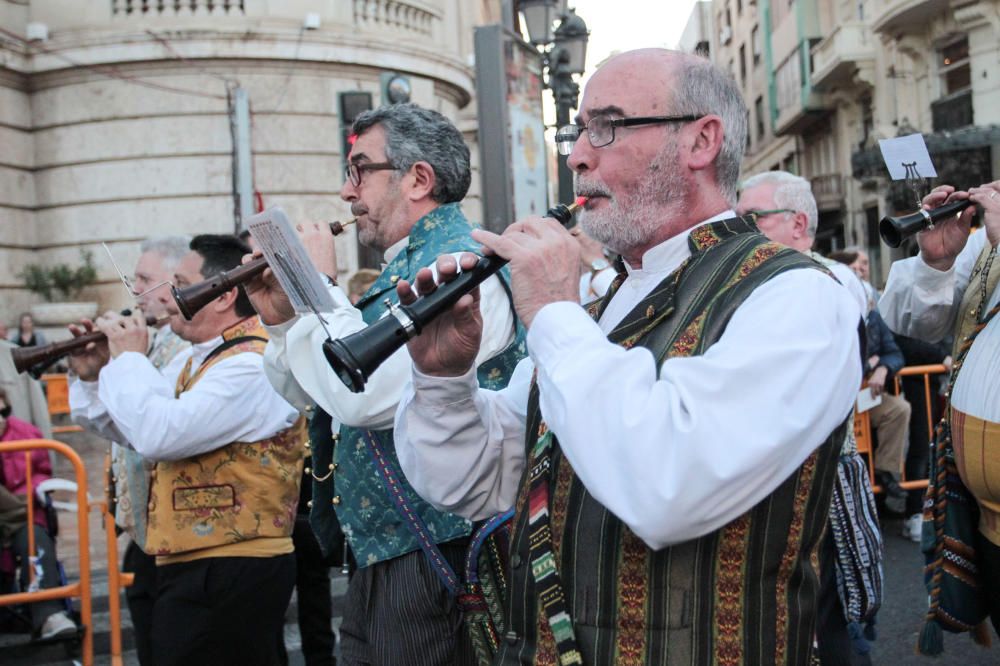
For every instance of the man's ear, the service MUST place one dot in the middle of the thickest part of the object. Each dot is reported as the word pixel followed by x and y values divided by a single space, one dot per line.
pixel 801 222
pixel 423 180
pixel 707 143
pixel 226 300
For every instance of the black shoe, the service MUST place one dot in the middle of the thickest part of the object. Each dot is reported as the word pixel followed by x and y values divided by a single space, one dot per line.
pixel 895 496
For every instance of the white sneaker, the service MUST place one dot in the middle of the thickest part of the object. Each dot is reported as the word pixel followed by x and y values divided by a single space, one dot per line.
pixel 913 527
pixel 56 625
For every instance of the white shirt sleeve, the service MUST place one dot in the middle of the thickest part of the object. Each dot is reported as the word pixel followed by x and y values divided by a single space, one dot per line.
pixel 375 407
pixel 232 401
pixel 276 366
pixel 87 410
pixel 674 454
pixel 922 302
pixel 852 283
pixel 461 447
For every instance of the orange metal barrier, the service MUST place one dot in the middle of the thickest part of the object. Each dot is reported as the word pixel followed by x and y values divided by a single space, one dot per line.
pixel 863 429
pixel 116 581
pixel 80 589
pixel 57 395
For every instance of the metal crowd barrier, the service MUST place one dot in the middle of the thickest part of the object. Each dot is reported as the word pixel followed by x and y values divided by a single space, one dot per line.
pixel 81 588
pixel 863 429
pixel 57 397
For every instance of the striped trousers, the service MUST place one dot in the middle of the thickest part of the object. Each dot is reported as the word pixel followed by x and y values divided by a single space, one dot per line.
pixel 398 612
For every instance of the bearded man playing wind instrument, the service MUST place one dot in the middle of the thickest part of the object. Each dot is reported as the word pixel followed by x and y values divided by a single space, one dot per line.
pixel 407 173
pixel 670 459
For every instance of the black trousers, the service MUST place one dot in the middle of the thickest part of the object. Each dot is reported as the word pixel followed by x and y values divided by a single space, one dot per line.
pixel 399 612
pixel 221 611
pixel 312 585
pixel 140 597
pixel 989 564
pixel 45 549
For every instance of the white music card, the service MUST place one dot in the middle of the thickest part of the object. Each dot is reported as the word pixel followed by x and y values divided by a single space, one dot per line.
pixel 907 151
pixel 290 262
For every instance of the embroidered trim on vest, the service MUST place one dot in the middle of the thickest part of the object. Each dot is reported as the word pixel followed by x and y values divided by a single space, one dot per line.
pixel 793 548
pixel 730 574
pixel 633 599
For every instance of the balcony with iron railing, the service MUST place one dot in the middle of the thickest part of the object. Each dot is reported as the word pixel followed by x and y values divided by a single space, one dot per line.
pixel 846 49
pixel 408 18
pixel 828 189
pixel 905 16
pixel 952 112
pixel 176 7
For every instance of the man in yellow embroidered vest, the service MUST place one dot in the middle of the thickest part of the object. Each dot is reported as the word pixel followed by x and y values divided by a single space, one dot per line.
pixel 223 492
pixel 951 287
pixel 129 480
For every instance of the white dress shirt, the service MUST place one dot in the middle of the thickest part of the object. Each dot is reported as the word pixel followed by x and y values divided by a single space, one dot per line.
pixel 134 402
pixel 922 302
pixel 674 454
pixel 298 370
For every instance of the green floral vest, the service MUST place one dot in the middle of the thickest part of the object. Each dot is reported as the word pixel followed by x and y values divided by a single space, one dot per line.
pixel 355 491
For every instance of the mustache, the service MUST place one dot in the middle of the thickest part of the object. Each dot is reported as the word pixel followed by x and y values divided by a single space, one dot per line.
pixel 592 189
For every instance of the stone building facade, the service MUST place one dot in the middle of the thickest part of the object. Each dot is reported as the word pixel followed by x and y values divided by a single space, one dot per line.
pixel 115 118
pixel 825 79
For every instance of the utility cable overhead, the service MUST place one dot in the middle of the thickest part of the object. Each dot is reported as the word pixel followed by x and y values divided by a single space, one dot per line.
pixel 107 70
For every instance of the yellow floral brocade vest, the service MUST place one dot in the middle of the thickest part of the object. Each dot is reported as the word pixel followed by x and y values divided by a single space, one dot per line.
pixel 238 493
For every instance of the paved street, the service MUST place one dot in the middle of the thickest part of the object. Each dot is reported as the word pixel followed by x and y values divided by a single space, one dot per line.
pixel 899 620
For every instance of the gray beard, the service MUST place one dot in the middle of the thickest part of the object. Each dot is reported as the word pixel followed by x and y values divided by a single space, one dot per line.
pixel 636 218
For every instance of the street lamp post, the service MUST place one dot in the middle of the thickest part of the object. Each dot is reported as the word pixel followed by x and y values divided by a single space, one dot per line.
pixel 564 52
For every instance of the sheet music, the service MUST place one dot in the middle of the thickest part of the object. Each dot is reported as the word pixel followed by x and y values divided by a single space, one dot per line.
pixel 906 151
pixel 290 262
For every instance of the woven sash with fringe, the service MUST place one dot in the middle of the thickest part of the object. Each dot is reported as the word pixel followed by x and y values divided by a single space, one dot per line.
pixel 950 527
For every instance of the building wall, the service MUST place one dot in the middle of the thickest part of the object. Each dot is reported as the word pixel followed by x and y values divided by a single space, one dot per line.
pixel 117 126
pixel 872 70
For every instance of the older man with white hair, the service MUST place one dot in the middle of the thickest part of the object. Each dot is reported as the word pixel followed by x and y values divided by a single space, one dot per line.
pixel 129 482
pixel 784 208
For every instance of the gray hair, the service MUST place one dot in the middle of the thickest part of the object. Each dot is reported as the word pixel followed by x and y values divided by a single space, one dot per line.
pixel 414 134
pixel 704 88
pixel 171 248
pixel 792 192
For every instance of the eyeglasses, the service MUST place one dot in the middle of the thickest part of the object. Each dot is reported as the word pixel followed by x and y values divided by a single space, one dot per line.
pixel 354 170
pixel 601 129
pixel 757 214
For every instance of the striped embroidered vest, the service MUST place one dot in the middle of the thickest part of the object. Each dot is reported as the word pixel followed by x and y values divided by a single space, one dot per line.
pixel 236 493
pixel 354 488
pixel 745 594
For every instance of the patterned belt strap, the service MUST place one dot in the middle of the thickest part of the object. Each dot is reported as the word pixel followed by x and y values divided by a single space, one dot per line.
pixel 397 493
pixel 543 560
pixel 480 536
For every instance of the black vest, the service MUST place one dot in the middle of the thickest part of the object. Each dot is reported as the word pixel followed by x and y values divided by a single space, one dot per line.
pixel 744 594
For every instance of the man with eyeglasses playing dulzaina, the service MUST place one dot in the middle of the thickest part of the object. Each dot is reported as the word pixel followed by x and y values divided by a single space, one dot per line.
pixel 407 173
pixel 670 456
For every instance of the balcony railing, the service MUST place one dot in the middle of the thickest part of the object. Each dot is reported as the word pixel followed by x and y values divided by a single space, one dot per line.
pixel 406 16
pixel 952 112
pixel 191 7
pixel 839 55
pixel 904 16
pixel 828 190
